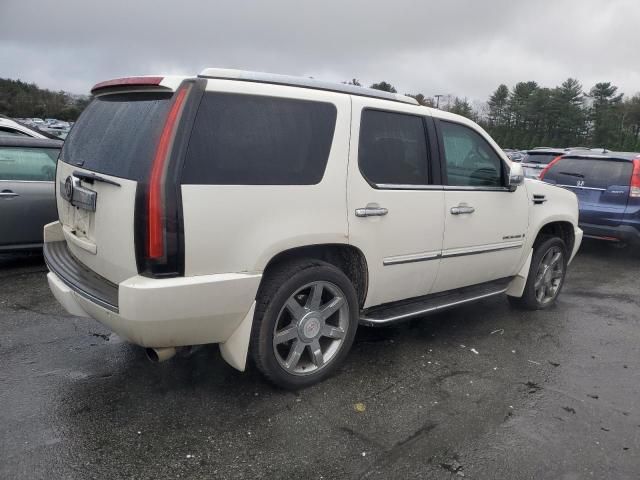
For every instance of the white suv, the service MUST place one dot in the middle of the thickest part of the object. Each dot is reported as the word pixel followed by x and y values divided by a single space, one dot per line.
pixel 273 214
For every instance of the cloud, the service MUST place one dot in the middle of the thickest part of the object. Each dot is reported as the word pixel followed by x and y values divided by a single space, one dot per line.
pixel 463 48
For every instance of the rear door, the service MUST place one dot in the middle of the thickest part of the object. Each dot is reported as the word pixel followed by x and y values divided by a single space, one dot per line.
pixel 27 200
pixel 601 184
pixel 115 139
pixel 395 211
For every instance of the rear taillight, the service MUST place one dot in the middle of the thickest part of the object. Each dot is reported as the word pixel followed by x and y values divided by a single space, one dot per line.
pixel 156 218
pixel 159 224
pixel 551 164
pixel 634 191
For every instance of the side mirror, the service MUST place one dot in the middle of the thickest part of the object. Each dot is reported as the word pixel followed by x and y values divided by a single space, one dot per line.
pixel 516 176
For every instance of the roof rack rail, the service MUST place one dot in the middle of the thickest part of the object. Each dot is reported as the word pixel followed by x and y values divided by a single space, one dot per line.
pixel 259 77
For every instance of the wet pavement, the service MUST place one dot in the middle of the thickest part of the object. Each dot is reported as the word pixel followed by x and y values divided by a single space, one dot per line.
pixel 553 394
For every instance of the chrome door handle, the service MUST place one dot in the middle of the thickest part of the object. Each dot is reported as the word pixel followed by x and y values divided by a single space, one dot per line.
pixel 462 209
pixel 8 193
pixel 371 212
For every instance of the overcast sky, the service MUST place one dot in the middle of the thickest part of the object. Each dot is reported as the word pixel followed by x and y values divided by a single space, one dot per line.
pixel 463 48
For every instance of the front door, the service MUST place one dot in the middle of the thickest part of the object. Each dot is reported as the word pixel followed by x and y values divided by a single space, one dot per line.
pixel 395 212
pixel 485 223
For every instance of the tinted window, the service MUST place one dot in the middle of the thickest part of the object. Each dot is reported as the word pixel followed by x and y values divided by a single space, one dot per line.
pixel 118 134
pixel 470 160
pixel 594 173
pixel 393 148
pixel 255 140
pixel 28 164
pixel 540 158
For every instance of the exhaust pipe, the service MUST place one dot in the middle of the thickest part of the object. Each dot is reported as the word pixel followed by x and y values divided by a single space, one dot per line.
pixel 160 354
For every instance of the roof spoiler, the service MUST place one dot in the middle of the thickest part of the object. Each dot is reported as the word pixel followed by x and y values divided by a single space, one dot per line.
pixel 128 82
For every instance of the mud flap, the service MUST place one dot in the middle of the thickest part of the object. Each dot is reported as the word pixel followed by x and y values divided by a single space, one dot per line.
pixel 235 349
pixel 516 287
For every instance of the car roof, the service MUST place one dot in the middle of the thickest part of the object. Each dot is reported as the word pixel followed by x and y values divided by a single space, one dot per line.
pixel 629 156
pixel 292 81
pixel 9 141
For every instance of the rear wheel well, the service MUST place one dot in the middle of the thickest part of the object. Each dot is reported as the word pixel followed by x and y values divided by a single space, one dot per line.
pixel 562 230
pixel 347 258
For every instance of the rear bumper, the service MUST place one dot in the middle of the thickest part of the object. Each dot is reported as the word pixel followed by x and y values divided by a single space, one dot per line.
pixel 622 233
pixel 168 312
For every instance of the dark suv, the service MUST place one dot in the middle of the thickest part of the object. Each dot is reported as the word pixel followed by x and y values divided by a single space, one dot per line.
pixel 608 189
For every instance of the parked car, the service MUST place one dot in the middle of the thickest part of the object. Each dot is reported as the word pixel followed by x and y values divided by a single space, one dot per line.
pixel 538 158
pixel 27 199
pixel 273 214
pixel 514 155
pixel 608 189
pixel 15 129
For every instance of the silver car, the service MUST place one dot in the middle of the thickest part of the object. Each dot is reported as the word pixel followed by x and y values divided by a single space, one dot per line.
pixel 27 193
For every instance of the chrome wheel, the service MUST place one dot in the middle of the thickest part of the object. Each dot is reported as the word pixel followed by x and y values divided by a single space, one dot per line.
pixel 549 275
pixel 311 328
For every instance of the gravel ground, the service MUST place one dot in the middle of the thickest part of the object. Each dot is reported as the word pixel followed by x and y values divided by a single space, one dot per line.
pixel 553 394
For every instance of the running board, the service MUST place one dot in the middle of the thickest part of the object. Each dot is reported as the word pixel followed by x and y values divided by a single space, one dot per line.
pixel 415 307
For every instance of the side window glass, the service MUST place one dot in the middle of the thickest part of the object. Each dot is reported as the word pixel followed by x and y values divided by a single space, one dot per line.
pixel 470 160
pixel 28 164
pixel 256 140
pixel 393 148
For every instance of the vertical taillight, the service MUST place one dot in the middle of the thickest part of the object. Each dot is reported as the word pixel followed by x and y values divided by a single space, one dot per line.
pixel 156 208
pixel 634 190
pixel 551 164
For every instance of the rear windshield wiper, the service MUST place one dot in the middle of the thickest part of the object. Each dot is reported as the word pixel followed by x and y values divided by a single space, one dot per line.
pixel 571 174
pixel 92 177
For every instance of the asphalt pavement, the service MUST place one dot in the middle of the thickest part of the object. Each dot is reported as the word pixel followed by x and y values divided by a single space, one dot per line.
pixel 481 392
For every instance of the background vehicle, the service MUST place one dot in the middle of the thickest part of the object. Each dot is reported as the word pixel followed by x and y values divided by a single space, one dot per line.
pixel 537 159
pixel 608 190
pixel 27 199
pixel 273 214
pixel 514 155
pixel 13 128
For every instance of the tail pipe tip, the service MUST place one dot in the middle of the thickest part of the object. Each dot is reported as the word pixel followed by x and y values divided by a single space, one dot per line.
pixel 160 354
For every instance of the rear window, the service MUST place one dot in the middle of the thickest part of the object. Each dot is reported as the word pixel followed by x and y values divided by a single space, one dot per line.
pixel 593 172
pixel 28 164
pixel 118 134
pixel 540 158
pixel 256 140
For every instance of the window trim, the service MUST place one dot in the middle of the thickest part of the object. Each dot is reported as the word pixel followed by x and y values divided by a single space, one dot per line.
pixel 504 174
pixel 433 172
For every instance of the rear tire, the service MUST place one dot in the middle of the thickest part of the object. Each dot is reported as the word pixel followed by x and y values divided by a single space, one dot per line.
pixel 304 324
pixel 546 275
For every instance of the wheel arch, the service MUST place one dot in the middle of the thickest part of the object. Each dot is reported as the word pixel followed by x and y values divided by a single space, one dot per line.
pixel 349 259
pixel 558 228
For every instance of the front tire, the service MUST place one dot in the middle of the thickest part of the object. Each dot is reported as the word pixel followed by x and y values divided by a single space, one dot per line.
pixel 546 275
pixel 304 324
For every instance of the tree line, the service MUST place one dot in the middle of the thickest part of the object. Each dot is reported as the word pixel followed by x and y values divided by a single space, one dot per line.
pixel 19 99
pixel 529 115
pixel 524 116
